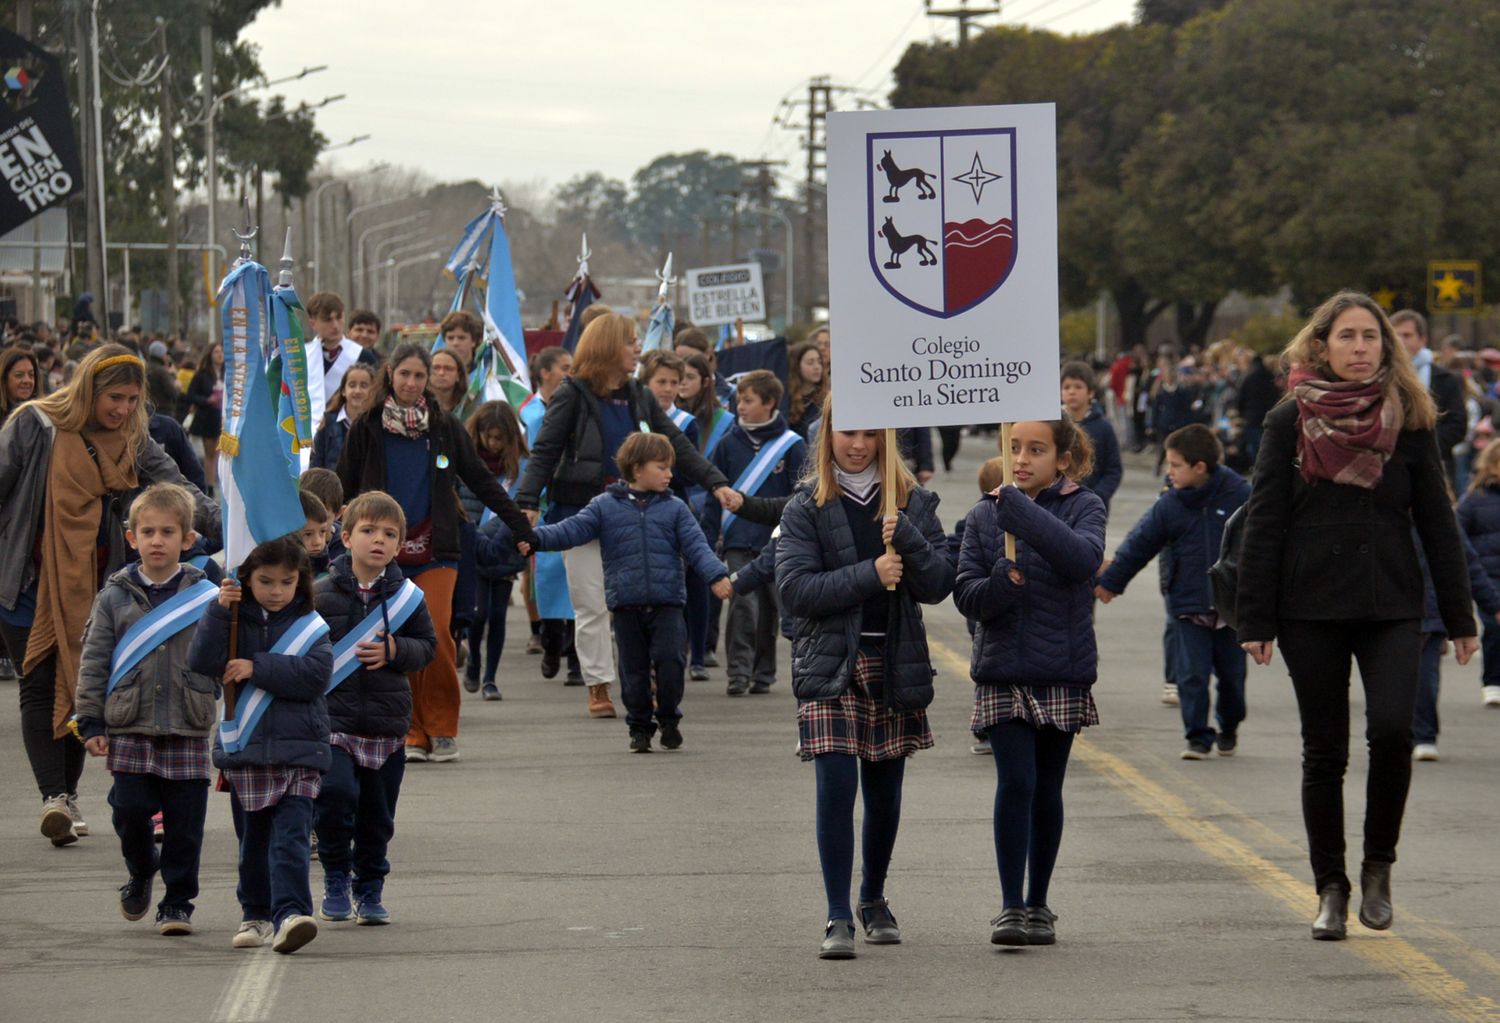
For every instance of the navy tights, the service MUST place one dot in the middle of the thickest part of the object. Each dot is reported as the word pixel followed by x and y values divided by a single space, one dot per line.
pixel 1029 764
pixel 839 776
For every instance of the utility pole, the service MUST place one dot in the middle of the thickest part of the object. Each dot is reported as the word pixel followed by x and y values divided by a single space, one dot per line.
pixel 211 157
pixel 819 103
pixel 23 29
pixel 963 14
pixel 169 168
pixel 93 228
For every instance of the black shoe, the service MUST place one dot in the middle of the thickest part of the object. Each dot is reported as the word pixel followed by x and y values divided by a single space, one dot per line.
pixel 737 687
pixel 1228 741
pixel 879 924
pixel 1009 927
pixel 551 661
pixel 471 677
pixel 1375 896
pixel 671 735
pixel 174 921
pixel 838 940
pixel 698 673
pixel 710 660
pixel 1197 751
pixel 1332 921
pixel 640 742
pixel 760 688
pixel 491 691
pixel 1041 926
pixel 135 897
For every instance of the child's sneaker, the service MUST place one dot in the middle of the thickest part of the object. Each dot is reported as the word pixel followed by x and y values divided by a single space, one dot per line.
pixel 640 741
pixel 760 688
pixel 444 749
pixel 710 660
pixel 471 677
pixel 671 735
pixel 1425 751
pixel 80 826
pixel 1196 751
pixel 294 932
pixel 174 921
pixel 335 905
pixel 158 832
pixel 1169 695
pixel 1228 742
pixel 491 691
pixel 368 910
pixel 253 934
pixel 135 897
pixel 698 673
pixel 534 644
pixel 416 754
pixel 981 747
pixel 1490 696
pixel 737 687
pixel 57 822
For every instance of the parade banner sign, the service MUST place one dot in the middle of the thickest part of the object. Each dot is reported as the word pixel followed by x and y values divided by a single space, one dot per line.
pixel 942 265
pixel 723 294
pixel 38 152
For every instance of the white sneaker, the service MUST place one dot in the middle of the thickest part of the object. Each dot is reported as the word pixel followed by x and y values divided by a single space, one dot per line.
pixel 294 932
pixel 1424 751
pixel 1169 694
pixel 1490 695
pixel 80 826
pixel 253 934
pixel 981 747
pixel 444 750
pixel 57 822
pixel 415 754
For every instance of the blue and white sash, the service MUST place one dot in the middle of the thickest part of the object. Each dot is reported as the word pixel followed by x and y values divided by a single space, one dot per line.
pixel 717 434
pixel 397 611
pixel 755 473
pixel 235 735
pixel 680 417
pixel 160 625
pixel 200 562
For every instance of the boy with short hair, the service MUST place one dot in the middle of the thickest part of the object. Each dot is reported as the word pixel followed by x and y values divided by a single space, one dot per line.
pixel 329 350
pixel 381 632
pixel 364 329
pixel 315 530
pixel 324 484
pixel 134 673
pixel 461 331
pixel 764 457
pixel 643 581
pixel 1078 387
pixel 1189 521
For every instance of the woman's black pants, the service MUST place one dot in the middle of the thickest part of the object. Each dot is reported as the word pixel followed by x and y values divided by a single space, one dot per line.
pixel 1319 655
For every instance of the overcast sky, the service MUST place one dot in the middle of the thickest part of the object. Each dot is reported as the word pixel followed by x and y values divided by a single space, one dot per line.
pixel 538 92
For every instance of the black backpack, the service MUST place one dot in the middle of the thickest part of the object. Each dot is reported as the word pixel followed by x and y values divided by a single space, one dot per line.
pixel 1225 573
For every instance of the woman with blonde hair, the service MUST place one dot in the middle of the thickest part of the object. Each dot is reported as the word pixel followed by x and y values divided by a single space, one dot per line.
pixel 861 670
pixel 67 463
pixel 1348 464
pixel 573 459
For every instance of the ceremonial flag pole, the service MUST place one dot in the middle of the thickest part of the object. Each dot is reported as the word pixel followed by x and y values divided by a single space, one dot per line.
pixel 580 293
pixel 659 331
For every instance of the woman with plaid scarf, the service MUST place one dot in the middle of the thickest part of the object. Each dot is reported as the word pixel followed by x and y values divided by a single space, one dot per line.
pixel 1348 464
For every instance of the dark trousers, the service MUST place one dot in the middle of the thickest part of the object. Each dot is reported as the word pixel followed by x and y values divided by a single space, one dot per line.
pixel 1319 655
pixel 1169 651
pixel 1030 765
pixel 839 778
pixel 56 764
pixel 1424 722
pixel 750 635
pixel 356 816
pixel 715 616
pixel 183 804
pixel 1201 652
pixel 695 614
pixel 647 638
pixel 557 640
pixel 275 853
pixel 1489 644
pixel 951 436
pixel 488 627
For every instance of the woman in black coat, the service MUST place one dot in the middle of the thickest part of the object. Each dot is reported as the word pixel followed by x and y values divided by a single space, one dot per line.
pixel 1348 463
pixel 861 670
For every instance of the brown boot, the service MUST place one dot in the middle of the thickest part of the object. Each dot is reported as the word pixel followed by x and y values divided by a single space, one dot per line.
pixel 599 703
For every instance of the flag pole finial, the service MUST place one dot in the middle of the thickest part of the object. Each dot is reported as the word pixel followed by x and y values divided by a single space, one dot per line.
pixel 667 280
pixel 287 263
pixel 583 255
pixel 248 235
pixel 497 201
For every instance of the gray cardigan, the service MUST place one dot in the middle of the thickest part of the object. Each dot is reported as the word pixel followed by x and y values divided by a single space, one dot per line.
pixel 25 456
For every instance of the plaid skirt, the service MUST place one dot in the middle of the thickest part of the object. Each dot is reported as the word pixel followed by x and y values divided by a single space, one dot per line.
pixel 859 725
pixel 1062 707
pixel 258 786
pixel 172 757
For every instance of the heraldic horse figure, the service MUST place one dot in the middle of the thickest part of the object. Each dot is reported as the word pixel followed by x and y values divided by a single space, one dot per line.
pixel 899 243
pixel 898 178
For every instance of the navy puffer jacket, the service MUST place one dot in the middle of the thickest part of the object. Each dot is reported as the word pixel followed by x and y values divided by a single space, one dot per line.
pixel 294 730
pixel 375 702
pixel 642 546
pixel 1042 632
pixel 1479 517
pixel 824 584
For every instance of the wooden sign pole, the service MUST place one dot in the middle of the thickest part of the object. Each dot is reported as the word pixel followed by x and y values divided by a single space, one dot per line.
pixel 888 474
pixel 1008 477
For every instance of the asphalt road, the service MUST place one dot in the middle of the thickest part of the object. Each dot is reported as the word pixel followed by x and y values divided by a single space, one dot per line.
pixel 551 875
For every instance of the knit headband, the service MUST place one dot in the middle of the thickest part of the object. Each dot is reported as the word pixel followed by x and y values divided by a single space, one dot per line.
pixel 118 360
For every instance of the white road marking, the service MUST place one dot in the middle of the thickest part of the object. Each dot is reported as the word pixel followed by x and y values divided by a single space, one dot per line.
pixel 252 990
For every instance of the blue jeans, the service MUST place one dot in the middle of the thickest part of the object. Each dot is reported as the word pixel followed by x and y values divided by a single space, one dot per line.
pixel 1424 722
pixel 650 637
pixel 489 616
pixel 275 849
pixel 135 797
pixel 356 811
pixel 1489 644
pixel 1203 651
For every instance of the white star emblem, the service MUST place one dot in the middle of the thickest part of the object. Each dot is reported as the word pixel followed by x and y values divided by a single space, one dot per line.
pixel 977 177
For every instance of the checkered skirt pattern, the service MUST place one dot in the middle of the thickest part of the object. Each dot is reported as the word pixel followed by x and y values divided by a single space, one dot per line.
pixel 172 757
pixel 367 751
pixel 857 724
pixel 261 785
pixel 1065 708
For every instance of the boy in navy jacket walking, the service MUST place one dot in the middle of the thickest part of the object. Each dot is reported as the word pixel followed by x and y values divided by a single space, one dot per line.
pixel 644 533
pixel 1190 522
pixel 763 457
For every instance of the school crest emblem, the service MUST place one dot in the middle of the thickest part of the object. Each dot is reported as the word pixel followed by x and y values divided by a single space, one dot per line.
pixel 942 215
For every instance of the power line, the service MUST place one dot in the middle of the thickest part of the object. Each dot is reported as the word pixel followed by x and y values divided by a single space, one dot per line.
pixel 891 46
pixel 1027 14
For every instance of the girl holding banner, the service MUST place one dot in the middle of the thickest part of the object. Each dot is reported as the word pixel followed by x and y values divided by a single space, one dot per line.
pixel 411 449
pixel 573 459
pixel 65 462
pixel 861 670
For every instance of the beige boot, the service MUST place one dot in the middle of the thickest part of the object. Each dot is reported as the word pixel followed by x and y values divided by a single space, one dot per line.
pixel 599 703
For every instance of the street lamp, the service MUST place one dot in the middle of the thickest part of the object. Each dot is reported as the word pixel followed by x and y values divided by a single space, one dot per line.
pixel 395 272
pixel 382 287
pixel 349 228
pixel 372 286
pixel 360 248
pixel 787 223
pixel 317 252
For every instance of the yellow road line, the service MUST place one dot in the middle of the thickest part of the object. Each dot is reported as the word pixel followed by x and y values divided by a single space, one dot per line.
pixel 1417 970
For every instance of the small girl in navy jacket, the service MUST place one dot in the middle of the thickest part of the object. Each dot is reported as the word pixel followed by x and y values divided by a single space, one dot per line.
pixel 274 763
pixel 1034 659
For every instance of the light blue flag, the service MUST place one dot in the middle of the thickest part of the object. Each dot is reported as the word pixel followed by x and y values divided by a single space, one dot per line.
pixel 470 244
pixel 661 328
